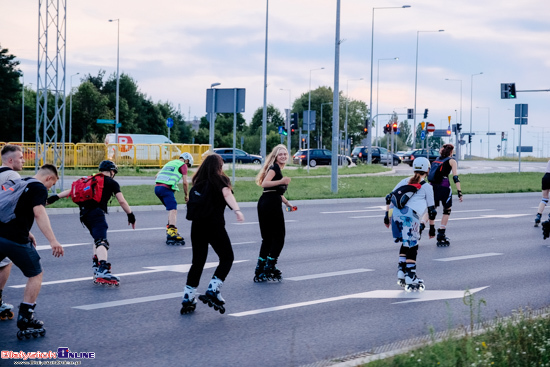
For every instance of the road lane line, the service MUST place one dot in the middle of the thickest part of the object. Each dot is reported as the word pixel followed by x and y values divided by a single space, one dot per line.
pixel 325 275
pixel 466 257
pixel 48 247
pixel 137 229
pixel 129 301
pixel 247 223
pixel 353 211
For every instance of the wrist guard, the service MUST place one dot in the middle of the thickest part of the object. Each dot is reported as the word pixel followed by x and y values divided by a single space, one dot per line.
pixel 131 218
pixel 431 233
pixel 387 219
pixel 459 193
pixel 432 212
pixel 52 199
pixel 388 199
pixel 455 179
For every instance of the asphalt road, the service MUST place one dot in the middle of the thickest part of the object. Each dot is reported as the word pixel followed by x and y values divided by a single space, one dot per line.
pixel 338 297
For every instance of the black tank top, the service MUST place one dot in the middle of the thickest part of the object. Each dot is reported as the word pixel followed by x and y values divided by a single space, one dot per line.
pixel 280 189
pixel 446 168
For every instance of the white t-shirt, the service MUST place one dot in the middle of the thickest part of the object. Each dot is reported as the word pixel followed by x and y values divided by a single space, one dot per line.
pixel 8 175
pixel 422 199
pixel 548 167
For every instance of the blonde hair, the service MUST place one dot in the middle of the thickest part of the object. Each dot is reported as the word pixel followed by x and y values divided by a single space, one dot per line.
pixel 269 161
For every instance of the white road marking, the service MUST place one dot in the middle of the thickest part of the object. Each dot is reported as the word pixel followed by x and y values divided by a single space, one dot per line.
pixel 501 216
pixel 378 294
pixel 353 211
pixel 466 257
pixel 325 275
pixel 48 247
pixel 454 211
pixel 247 223
pixel 129 301
pixel 182 268
pixel 137 229
pixel 368 216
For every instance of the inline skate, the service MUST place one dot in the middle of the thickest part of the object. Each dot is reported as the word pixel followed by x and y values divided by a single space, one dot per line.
pixel 189 302
pixel 173 238
pixel 27 324
pixel 546 229
pixel 104 277
pixel 270 271
pixel 213 297
pixel 401 274
pixel 412 282
pixel 259 275
pixel 442 240
pixel 95 265
pixel 5 309
pixel 537 219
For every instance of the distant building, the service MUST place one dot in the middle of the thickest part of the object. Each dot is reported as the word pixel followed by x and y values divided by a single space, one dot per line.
pixel 195 123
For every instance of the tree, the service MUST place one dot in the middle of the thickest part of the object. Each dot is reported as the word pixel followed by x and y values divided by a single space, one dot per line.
pixel 10 96
pixel 88 106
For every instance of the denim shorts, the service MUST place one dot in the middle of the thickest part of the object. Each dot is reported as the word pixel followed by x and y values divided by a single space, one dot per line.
pixel 24 256
pixel 167 197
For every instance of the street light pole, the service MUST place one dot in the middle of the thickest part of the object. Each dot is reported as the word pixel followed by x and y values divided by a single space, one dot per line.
pixel 377 89
pixel 23 108
pixel 369 132
pixel 71 110
pixel 471 104
pixel 309 115
pixel 346 120
pixel 212 117
pixel 264 115
pixel 416 84
pixel 458 144
pixel 117 81
pixel 488 131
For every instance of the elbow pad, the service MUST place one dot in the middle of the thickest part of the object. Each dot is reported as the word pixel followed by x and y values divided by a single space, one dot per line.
pixel 388 199
pixel 432 213
pixel 455 179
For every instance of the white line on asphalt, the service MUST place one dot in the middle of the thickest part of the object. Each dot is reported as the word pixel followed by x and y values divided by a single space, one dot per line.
pixel 247 223
pixel 353 211
pixel 129 301
pixel 325 275
pixel 367 216
pixel 466 257
pixel 378 294
pixel 137 229
pixel 48 247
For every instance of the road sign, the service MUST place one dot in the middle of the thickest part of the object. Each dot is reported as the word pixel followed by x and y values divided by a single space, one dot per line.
pixel 431 127
pixel 525 149
pixel 462 142
pixel 169 122
pixel 102 121
pixel 521 114
pixel 441 133
pixel 422 135
pixel 491 133
pixel 225 100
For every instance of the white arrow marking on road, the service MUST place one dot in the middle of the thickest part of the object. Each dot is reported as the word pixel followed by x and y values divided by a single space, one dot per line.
pixel 416 297
pixel 183 268
pixel 468 256
pixel 324 275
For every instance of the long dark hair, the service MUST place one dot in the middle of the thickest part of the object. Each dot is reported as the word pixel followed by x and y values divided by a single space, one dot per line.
pixel 446 150
pixel 211 171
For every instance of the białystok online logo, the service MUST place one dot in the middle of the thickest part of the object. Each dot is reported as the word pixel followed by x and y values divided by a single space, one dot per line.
pixel 62 353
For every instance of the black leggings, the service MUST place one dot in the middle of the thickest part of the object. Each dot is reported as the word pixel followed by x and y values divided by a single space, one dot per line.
pixel 202 234
pixel 272 224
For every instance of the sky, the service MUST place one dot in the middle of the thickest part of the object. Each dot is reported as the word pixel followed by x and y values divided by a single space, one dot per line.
pixel 175 49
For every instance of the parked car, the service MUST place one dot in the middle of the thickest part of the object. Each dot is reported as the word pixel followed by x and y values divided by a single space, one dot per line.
pixel 318 157
pixel 379 155
pixel 433 155
pixel 240 156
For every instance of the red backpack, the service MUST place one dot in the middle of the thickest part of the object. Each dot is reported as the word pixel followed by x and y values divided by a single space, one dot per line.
pixel 88 188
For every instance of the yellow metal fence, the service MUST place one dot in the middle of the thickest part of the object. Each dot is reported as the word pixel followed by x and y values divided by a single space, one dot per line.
pixel 90 155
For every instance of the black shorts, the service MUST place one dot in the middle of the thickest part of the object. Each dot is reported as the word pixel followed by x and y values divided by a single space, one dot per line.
pixel 444 195
pixel 94 220
pixel 546 181
pixel 24 256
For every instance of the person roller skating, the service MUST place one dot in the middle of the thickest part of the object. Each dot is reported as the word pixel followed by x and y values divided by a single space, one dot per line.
pixel 259 275
pixel 103 275
pixel 210 194
pixel 405 205
pixel 270 212
pixel 5 309
pixel 442 240
pixel 27 324
pixel 166 186
pixel 545 192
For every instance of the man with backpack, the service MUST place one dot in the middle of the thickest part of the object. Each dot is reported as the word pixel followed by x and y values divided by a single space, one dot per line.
pixel 12 161
pixel 166 185
pixel 439 179
pixel 22 202
pixel 92 195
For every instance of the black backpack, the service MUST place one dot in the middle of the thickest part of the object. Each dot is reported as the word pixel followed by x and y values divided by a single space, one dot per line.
pixel 198 203
pixel 400 197
pixel 435 174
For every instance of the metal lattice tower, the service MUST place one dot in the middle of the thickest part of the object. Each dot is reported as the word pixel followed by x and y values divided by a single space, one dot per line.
pixel 50 85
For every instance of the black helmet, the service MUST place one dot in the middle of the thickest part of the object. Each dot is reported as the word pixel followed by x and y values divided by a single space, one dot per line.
pixel 108 166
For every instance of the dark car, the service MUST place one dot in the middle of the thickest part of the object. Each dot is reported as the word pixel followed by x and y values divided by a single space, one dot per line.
pixel 379 155
pixel 434 154
pixel 240 156
pixel 318 157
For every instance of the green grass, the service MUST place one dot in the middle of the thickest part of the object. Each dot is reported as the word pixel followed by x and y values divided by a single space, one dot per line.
pixel 304 188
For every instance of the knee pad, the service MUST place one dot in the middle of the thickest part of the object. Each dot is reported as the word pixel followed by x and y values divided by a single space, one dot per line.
pixel 544 201
pixel 102 242
pixel 411 254
pixel 447 211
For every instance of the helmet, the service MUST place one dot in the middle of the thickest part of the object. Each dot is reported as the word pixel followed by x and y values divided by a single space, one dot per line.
pixel 187 156
pixel 108 166
pixel 421 164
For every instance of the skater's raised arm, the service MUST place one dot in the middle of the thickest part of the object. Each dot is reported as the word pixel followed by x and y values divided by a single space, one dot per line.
pixel 232 202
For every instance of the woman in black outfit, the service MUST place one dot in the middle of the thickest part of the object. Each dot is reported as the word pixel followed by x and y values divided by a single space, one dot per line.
pixel 209 228
pixel 270 213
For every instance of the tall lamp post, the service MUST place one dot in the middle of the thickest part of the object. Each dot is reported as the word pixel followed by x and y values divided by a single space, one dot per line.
pixel 212 116
pixel 71 110
pixel 416 83
pixel 321 138
pixel 309 114
pixel 346 120
pixel 288 128
pixel 117 81
pixel 471 104
pixel 369 133
pixel 488 131
pixel 458 80
pixel 377 89
pixel 264 114
pixel 23 108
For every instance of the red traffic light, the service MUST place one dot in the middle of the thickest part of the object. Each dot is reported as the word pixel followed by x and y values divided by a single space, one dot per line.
pixel 394 127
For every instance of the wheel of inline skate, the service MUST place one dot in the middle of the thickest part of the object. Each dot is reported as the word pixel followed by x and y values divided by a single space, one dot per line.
pixel 35 334
pixel 408 288
pixel 42 332
pixel 222 310
pixel 3 318
pixel 20 335
pixel 10 315
pixel 117 284
pixel 27 335
pixel 421 287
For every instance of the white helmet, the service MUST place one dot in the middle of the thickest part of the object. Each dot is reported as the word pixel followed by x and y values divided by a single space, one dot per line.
pixel 187 156
pixel 421 164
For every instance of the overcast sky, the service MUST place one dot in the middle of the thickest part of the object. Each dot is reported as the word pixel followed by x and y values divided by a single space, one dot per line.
pixel 175 49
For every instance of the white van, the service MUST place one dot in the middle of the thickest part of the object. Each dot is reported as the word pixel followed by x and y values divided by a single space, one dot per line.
pixel 146 147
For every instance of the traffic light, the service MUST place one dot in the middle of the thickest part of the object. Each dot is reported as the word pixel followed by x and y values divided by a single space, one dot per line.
pixel 507 90
pixel 458 127
pixel 426 113
pixel 502 136
pixel 387 128
pixel 470 139
pixel 394 127
pixel 285 133
pixel 449 131
pixel 293 121
pixel 410 113
pixel 366 128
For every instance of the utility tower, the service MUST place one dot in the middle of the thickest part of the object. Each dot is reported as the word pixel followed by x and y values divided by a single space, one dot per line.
pixel 50 85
